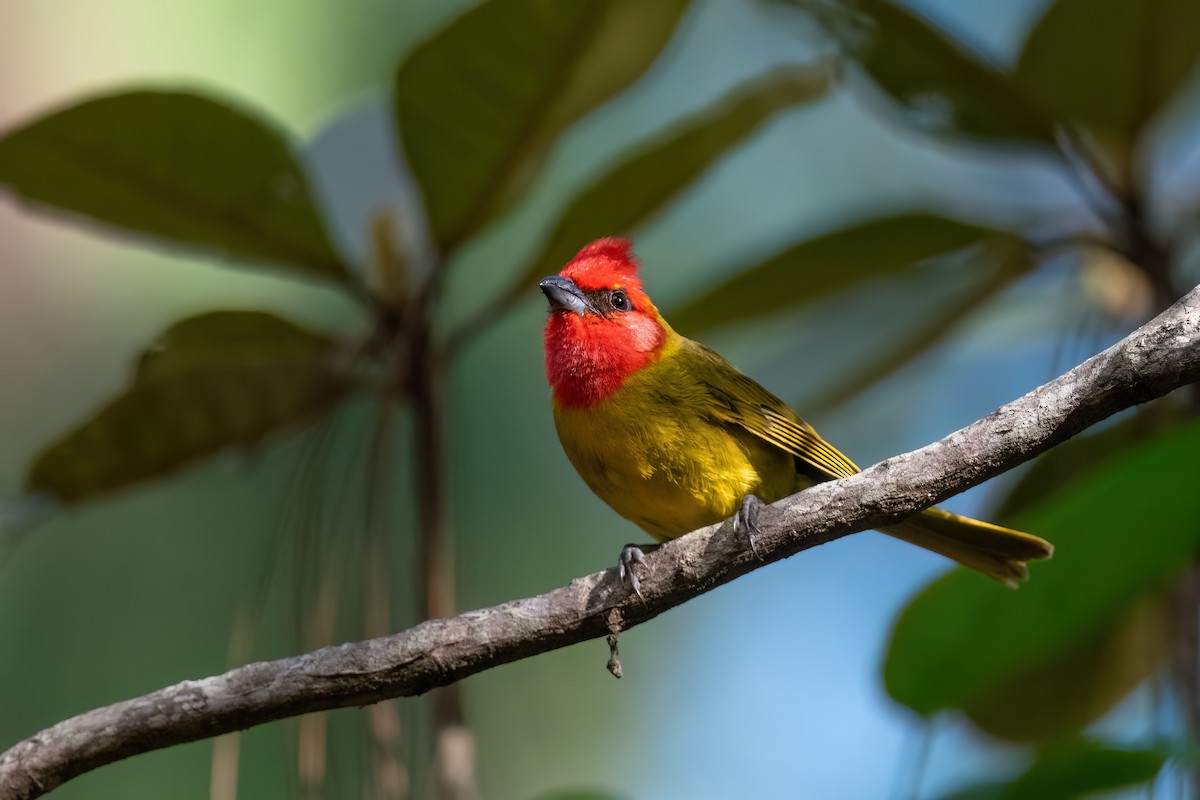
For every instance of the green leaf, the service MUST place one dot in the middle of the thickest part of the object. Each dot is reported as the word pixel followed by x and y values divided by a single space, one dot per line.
pixel 1110 65
pixel 1003 260
pixel 479 105
pixel 643 183
pixel 176 166
pixel 939 85
pixel 1067 691
pixel 1074 770
pixel 1121 534
pixel 218 380
pixel 834 261
pixel 218 337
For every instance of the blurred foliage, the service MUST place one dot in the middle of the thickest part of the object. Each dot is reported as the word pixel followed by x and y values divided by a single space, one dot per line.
pixel 633 191
pixel 1100 618
pixel 580 794
pixel 939 85
pixel 1073 770
pixel 817 268
pixel 190 170
pixel 219 380
pixel 480 105
pixel 1122 533
pixel 998 262
pixel 1082 680
pixel 1134 59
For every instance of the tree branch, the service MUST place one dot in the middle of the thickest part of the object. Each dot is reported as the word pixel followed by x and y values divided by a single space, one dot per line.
pixel 1157 358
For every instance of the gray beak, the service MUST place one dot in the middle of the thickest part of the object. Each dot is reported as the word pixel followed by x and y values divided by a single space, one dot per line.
pixel 564 295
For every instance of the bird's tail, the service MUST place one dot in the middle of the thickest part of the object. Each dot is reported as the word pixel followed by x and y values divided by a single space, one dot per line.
pixel 1000 553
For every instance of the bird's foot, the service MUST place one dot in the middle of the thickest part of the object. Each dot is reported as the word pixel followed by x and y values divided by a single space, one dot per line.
pixel 745 521
pixel 633 554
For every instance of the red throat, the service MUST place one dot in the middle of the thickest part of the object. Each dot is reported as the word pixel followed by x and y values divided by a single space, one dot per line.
pixel 590 356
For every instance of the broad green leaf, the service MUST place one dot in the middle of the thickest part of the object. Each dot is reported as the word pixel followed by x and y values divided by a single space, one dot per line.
pixel 479 105
pixel 1074 770
pixel 1073 688
pixel 829 263
pixel 1079 456
pixel 940 85
pixel 1002 261
pixel 217 337
pixel 642 184
pixel 1121 534
pixel 218 380
pixel 1110 64
pixel 177 166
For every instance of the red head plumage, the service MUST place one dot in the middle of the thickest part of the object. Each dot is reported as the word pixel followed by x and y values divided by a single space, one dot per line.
pixel 604 264
pixel 590 354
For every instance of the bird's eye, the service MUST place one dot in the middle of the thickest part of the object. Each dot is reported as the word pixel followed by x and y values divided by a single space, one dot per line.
pixel 620 300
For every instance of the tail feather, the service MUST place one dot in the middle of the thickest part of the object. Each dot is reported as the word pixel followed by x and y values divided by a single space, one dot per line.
pixel 999 553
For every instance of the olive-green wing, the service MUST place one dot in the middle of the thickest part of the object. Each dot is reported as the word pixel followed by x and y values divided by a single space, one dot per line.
pixel 739 400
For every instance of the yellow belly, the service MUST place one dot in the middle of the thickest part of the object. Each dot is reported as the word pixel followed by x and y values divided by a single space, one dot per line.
pixel 662 463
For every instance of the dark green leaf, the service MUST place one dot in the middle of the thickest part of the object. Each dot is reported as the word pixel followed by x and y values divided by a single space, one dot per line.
pixel 479 105
pixel 580 794
pixel 1070 689
pixel 218 337
pixel 177 166
pixel 645 182
pixel 818 267
pixel 1110 64
pixel 211 382
pixel 1004 259
pixel 1075 770
pixel 1121 533
pixel 939 85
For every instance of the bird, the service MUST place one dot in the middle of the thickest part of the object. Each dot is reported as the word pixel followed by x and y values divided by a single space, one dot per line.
pixel 673 437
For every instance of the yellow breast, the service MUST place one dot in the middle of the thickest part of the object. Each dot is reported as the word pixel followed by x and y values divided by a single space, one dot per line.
pixel 653 452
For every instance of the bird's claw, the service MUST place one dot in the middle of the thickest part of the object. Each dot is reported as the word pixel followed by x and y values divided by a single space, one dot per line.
pixel 745 522
pixel 633 554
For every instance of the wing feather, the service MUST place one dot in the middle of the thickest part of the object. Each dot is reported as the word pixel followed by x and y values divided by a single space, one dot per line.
pixel 739 400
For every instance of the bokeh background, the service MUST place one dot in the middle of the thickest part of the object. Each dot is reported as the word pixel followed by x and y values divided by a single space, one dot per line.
pixel 769 687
